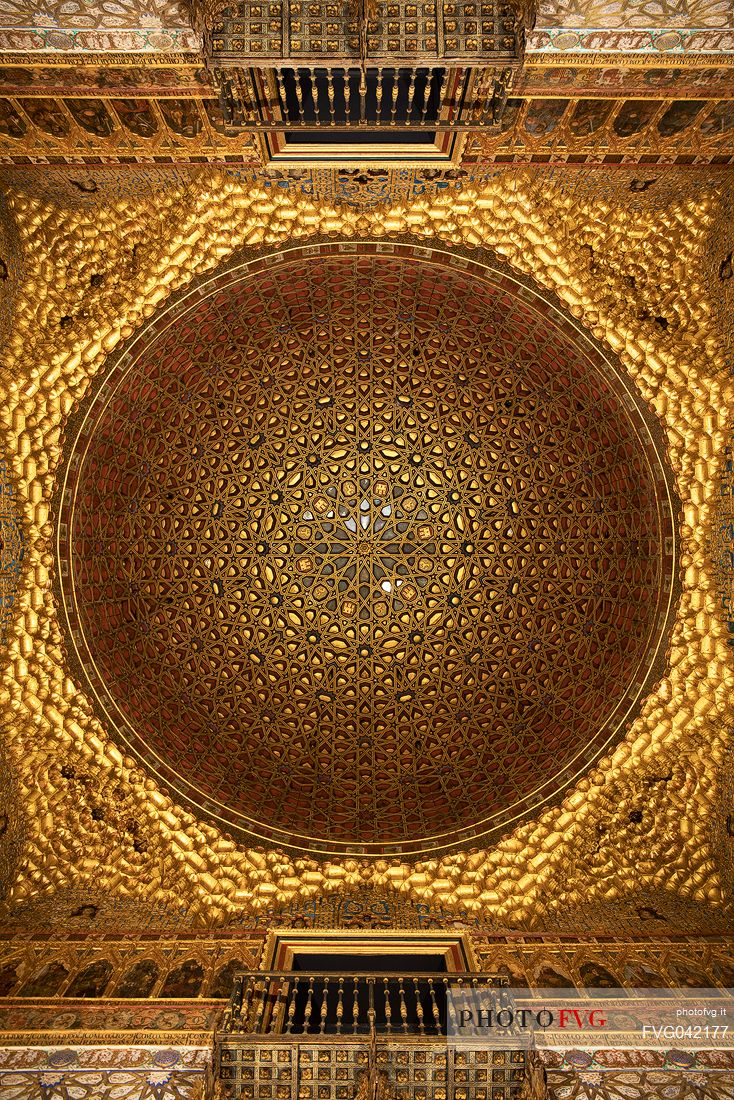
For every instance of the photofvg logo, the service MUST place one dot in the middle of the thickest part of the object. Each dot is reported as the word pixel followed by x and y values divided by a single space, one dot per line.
pixel 625 1019
pixel 510 1017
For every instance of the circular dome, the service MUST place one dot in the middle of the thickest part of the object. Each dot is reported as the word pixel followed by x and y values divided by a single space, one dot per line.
pixel 365 550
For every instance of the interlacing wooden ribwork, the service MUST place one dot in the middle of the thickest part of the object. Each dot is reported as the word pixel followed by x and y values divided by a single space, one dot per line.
pixel 364 551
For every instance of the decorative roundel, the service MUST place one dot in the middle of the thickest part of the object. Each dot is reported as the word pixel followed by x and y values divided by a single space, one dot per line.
pixel 365 549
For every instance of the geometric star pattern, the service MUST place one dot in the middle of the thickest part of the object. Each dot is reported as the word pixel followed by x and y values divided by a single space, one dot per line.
pixel 366 553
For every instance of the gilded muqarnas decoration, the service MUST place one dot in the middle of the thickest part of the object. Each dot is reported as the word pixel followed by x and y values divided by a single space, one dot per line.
pixel 538 223
pixel 365 552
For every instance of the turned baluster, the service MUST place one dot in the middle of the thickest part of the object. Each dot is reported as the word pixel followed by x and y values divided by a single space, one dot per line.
pixel 324 1007
pixel 424 102
pixel 339 1006
pixel 244 1014
pixel 450 1015
pixel 241 91
pixel 362 97
pixel 453 104
pixel 280 86
pixel 434 1007
pixel 403 1007
pixel 311 85
pixel 371 1003
pixel 388 1009
pixel 411 95
pixel 419 1006
pixel 439 77
pixel 292 1008
pixel 267 83
pixel 426 96
pixel 309 1007
pixel 500 93
pixel 394 97
pixel 355 1005
pixel 233 1013
pixel 380 79
pixel 491 87
pixel 460 984
pixel 299 97
pixel 250 93
pixel 262 992
pixel 329 95
pixel 475 104
pixel 237 998
pixel 279 1007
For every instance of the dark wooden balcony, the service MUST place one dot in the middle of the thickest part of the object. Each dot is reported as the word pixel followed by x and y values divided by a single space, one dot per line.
pixel 372 1036
pixel 340 102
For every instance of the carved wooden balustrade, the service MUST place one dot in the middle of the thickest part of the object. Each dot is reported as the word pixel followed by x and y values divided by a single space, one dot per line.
pixel 338 1036
pixel 292 1003
pixel 417 97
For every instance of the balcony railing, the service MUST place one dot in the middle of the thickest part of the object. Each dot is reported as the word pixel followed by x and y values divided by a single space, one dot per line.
pixel 343 99
pixel 294 1004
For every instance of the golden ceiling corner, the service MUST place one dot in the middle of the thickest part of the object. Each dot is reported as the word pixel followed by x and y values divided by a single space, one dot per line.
pixel 91 278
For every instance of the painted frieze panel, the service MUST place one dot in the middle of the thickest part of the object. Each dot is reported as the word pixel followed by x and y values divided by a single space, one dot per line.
pixel 633 13
pixel 648 131
pixel 104 1073
pixel 559 129
pixel 167 77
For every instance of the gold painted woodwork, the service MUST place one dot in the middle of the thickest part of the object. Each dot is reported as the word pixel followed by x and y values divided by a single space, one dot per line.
pixel 586 250
pixel 236 34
